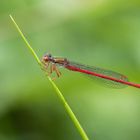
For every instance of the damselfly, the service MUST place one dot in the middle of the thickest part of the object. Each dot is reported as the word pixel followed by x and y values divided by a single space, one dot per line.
pixel 106 76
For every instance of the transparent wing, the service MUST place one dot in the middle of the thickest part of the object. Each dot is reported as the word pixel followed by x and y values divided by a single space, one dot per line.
pixel 106 82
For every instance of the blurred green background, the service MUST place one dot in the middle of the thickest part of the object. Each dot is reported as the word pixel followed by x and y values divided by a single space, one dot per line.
pixel 103 33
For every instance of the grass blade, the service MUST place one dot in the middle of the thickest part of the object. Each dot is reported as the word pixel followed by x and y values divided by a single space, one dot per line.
pixel 59 94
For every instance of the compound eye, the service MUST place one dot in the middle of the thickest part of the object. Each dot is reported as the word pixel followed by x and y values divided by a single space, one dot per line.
pixel 49 55
pixel 45 58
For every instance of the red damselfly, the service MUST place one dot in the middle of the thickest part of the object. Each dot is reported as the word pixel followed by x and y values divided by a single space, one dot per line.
pixel 112 78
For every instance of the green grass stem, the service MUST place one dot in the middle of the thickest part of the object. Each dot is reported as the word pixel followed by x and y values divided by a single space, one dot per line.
pixel 59 94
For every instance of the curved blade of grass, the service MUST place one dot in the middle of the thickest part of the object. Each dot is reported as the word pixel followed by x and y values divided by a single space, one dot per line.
pixel 60 95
